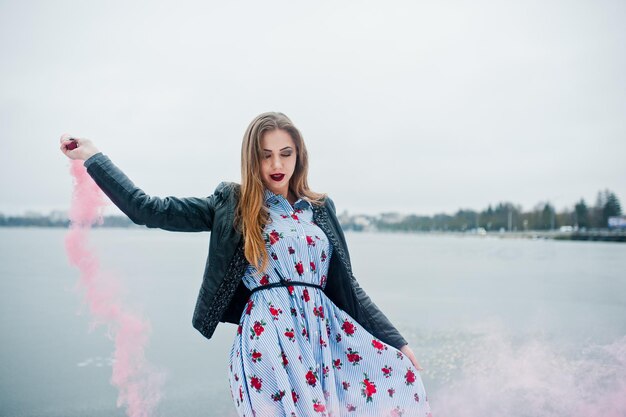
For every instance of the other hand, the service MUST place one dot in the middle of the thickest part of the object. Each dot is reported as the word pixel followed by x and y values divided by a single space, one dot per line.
pixel 83 151
pixel 409 353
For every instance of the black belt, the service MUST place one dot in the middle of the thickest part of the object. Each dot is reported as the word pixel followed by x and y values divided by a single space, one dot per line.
pixel 284 283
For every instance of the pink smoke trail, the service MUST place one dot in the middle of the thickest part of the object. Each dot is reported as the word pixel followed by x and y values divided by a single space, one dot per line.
pixel 532 378
pixel 138 383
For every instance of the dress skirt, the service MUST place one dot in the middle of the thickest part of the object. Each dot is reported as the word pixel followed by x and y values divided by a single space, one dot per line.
pixel 297 354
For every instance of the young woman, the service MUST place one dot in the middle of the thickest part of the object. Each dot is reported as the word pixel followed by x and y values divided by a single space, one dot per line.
pixel 310 341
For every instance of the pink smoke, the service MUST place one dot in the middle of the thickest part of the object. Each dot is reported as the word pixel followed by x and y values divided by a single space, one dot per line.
pixel 139 384
pixel 532 377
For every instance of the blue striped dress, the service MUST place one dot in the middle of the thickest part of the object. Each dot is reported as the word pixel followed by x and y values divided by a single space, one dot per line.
pixel 296 354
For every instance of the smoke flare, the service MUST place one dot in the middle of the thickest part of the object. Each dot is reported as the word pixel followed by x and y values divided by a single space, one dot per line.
pixel 138 383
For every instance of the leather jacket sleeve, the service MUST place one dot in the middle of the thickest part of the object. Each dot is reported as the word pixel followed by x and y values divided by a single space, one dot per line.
pixel 381 326
pixel 191 214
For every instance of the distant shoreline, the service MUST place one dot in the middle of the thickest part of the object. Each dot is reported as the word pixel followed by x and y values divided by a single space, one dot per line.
pixel 591 236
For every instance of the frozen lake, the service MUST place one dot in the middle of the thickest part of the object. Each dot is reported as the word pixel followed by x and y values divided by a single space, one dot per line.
pixel 502 327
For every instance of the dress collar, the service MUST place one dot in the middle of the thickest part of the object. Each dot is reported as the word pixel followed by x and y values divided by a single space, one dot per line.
pixel 272 199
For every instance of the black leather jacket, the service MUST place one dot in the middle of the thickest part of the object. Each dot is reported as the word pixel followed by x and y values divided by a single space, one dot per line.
pixel 223 295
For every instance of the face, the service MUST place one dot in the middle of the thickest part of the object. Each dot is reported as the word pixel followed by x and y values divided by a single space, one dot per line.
pixel 278 160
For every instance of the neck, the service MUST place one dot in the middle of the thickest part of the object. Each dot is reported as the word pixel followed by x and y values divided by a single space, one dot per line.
pixel 291 197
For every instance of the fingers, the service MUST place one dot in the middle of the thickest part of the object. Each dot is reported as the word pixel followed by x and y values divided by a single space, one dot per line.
pixel 64 137
pixel 68 145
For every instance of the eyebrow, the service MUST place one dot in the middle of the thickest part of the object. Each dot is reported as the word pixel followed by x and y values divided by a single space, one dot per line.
pixel 286 147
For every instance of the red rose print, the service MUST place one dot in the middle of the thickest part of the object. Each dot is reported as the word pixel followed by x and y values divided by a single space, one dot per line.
pixel 322 342
pixel 249 306
pixel 318 312
pixel 239 329
pixel 416 397
pixel 379 346
pixel 348 327
pixel 323 280
pixel 312 266
pixel 274 237
pixel 275 311
pixel 409 377
pixel 304 333
pixel 293 311
pixel 294 216
pixel 323 256
pixel 257 329
pixel 325 371
pixel 274 256
pixel 278 396
pixel 284 216
pixel 311 377
pixel 294 396
pixel 240 392
pixel 345 385
pixel 290 334
pixel 256 383
pixel 305 295
pixel 284 357
pixel 353 356
pixel 318 407
pixel 256 356
pixel 337 364
pixel 264 280
pixel 338 337
pixel 290 289
pixel 351 407
pixel 387 371
pixel 310 241
pixel 300 268
pixel 399 355
pixel 391 391
pixel 291 250
pixel 368 390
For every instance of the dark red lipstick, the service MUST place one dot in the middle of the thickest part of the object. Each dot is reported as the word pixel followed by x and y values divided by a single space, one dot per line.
pixel 277 177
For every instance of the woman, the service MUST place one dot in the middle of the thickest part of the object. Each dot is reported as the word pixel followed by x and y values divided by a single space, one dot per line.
pixel 309 341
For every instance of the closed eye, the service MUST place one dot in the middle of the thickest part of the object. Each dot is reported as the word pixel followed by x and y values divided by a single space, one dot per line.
pixel 284 155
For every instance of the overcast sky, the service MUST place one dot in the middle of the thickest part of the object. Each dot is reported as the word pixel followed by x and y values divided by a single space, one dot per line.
pixel 417 107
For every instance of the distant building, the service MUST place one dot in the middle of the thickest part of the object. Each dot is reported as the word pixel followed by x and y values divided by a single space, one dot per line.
pixel 391 218
pixel 362 222
pixel 617 222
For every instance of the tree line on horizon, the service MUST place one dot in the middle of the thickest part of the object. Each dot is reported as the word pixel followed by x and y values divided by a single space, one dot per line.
pixel 504 215
pixel 511 217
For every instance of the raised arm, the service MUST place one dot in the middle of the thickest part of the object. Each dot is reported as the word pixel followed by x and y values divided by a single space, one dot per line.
pixel 190 214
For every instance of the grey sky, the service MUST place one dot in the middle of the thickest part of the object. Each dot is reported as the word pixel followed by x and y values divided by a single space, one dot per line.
pixel 417 107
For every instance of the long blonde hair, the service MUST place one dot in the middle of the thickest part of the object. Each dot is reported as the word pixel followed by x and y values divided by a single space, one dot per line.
pixel 251 215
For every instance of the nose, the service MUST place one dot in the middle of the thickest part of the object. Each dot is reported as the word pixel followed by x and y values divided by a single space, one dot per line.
pixel 276 162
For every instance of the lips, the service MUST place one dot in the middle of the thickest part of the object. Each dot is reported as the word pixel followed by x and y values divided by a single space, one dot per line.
pixel 277 177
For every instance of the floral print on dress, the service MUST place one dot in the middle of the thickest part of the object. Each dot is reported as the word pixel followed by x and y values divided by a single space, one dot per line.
pixel 295 353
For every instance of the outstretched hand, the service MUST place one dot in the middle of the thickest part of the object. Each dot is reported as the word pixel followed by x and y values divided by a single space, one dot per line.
pixel 409 353
pixel 77 148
